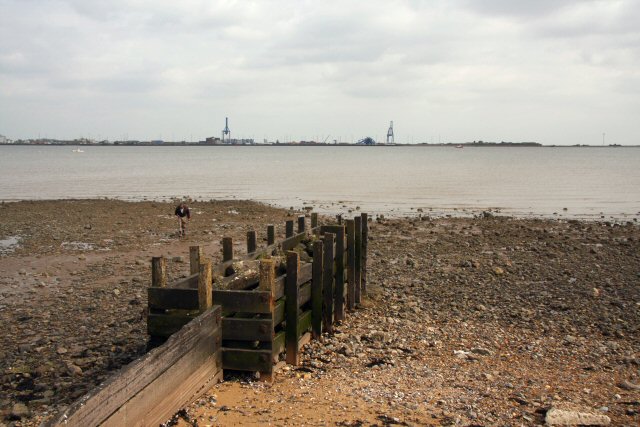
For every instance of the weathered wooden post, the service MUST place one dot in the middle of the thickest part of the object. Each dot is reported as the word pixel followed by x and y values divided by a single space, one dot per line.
pixel 271 234
pixel 227 254
pixel 316 289
pixel 227 249
pixel 339 218
pixel 339 276
pixel 358 256
pixel 158 272
pixel 291 308
pixel 195 255
pixel 351 264
pixel 289 228
pixel 327 288
pixel 205 283
pixel 267 275
pixel 314 220
pixel 252 243
pixel 365 244
pixel 301 224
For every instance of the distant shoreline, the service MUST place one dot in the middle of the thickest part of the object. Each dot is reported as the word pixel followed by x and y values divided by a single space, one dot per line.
pixel 196 144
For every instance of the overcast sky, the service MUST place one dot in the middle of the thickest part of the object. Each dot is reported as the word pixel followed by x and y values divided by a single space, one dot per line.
pixel 551 71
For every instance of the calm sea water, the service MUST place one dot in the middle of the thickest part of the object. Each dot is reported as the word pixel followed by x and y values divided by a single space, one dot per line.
pixel 588 182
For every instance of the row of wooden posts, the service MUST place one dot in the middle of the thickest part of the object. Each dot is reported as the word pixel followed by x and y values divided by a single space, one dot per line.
pixel 266 313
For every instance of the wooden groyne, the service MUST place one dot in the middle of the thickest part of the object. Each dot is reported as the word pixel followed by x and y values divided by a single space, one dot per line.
pixel 247 313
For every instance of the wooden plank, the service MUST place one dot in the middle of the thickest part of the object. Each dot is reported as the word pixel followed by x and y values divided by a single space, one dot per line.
pixel 314 220
pixel 304 323
pixel 365 244
pixel 271 234
pixel 305 273
pixel 247 329
pixel 278 312
pixel 196 254
pixel 301 224
pixel 205 291
pixel 189 282
pixel 288 228
pixel 252 242
pixel 351 264
pixel 304 276
pixel 165 325
pixel 292 241
pixel 291 310
pixel 327 285
pixel 227 249
pixel 158 272
pixel 167 298
pixel 151 389
pixel 244 301
pixel 278 345
pixel 304 294
pixel 358 259
pixel 316 290
pixel 247 360
pixel 339 275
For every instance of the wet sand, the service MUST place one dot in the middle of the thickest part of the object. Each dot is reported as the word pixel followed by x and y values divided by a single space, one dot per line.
pixel 469 320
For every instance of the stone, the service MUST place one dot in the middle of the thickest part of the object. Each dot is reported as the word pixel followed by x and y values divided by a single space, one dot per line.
pixel 565 417
pixel 19 411
pixel 74 369
pixel 498 271
pixel 628 385
pixel 481 351
pixel 178 259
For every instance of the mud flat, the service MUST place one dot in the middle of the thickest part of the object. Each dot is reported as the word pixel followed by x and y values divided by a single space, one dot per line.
pixel 486 321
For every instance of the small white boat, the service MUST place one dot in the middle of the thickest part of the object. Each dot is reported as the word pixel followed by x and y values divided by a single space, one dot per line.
pixel 77 150
pixel 459 146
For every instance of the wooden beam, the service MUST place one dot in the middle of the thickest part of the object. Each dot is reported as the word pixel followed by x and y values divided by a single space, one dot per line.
pixel 150 390
pixel 304 323
pixel 316 289
pixel 252 243
pixel 158 272
pixel 314 219
pixel 351 264
pixel 271 234
pixel 165 325
pixel 304 294
pixel 327 286
pixel 196 254
pixel 243 301
pixel 289 228
pixel 247 360
pixel 291 294
pixel 292 241
pixel 358 259
pixel 238 329
pixel 339 275
pixel 365 245
pixel 301 224
pixel 185 283
pixel 205 291
pixel 176 298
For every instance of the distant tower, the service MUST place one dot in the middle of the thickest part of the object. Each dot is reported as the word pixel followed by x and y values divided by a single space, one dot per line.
pixel 226 131
pixel 390 139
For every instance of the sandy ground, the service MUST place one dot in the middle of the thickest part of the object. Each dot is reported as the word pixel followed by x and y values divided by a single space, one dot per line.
pixel 469 321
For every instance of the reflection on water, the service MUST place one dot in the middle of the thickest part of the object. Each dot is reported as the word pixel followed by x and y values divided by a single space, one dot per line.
pixel 584 181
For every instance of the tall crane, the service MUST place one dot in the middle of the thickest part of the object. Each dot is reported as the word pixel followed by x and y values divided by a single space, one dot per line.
pixel 390 139
pixel 226 131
